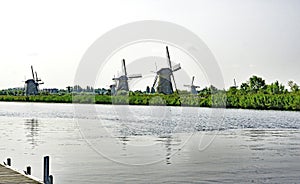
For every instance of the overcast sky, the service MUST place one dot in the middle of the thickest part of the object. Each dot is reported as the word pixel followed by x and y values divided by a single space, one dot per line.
pixel 249 37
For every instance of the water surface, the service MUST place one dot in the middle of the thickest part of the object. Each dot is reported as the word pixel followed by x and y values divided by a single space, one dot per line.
pixel 148 144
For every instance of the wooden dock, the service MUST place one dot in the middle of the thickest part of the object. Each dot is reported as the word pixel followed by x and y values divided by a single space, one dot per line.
pixel 9 176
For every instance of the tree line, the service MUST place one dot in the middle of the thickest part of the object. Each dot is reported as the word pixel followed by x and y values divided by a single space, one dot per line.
pixel 252 94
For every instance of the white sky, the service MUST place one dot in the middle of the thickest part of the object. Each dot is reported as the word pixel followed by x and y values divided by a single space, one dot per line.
pixel 248 37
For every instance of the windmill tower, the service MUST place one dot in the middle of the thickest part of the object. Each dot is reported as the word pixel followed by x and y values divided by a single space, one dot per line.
pixel 32 85
pixel 122 81
pixel 164 75
pixel 192 87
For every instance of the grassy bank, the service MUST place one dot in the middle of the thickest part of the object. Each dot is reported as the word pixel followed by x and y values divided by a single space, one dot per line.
pixel 287 101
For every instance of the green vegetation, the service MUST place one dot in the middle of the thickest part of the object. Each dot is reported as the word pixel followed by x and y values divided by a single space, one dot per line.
pixel 253 94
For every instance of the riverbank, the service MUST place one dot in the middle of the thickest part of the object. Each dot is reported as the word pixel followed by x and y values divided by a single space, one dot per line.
pixel 288 101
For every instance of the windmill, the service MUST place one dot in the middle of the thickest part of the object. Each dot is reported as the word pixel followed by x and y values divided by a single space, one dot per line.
pixel 32 85
pixel 164 77
pixel 193 87
pixel 122 81
pixel 113 88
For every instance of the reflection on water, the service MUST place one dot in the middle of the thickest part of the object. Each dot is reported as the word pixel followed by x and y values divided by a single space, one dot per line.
pixel 32 131
pixel 168 149
pixel 160 147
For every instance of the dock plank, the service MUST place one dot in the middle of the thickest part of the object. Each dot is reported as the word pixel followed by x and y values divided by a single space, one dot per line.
pixel 9 176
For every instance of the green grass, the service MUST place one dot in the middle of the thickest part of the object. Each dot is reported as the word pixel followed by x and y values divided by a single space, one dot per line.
pixel 287 101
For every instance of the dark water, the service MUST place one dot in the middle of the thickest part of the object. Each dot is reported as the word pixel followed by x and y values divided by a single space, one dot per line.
pixel 148 144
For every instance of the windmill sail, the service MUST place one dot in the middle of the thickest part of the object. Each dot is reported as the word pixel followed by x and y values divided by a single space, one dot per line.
pixel 131 76
pixel 32 73
pixel 176 67
pixel 170 66
pixel 155 80
pixel 124 67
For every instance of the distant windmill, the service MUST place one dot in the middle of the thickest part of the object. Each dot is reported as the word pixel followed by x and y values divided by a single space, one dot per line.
pixel 32 85
pixel 113 88
pixel 122 81
pixel 163 76
pixel 193 87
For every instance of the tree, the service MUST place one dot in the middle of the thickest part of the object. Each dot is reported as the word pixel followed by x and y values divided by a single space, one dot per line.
pixel 213 89
pixel 245 86
pixel 256 83
pixel 293 86
pixel 275 88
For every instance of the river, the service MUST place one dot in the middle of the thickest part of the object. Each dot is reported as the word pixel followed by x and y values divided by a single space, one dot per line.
pixel 151 144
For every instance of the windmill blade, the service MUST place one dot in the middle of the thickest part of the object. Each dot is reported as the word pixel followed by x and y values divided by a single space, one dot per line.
pixel 170 65
pixel 134 76
pixel 36 77
pixel 174 81
pixel 193 78
pixel 155 80
pixel 32 73
pixel 114 79
pixel 176 67
pixel 197 86
pixel 124 67
pixel 168 57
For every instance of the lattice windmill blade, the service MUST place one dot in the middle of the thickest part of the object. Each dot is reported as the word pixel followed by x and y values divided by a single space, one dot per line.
pixel 170 65
pixel 32 73
pixel 176 67
pixel 155 80
pixel 168 57
pixel 124 67
pixel 36 77
pixel 131 76
pixel 39 81
pixel 193 78
pixel 174 81
pixel 116 78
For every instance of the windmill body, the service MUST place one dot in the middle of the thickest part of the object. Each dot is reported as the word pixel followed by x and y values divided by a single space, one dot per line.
pixel 164 81
pixel 164 77
pixel 122 83
pixel 193 90
pixel 32 85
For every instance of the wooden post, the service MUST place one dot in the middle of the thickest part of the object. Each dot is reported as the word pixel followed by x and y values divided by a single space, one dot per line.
pixel 28 170
pixel 50 179
pixel 8 161
pixel 46 169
